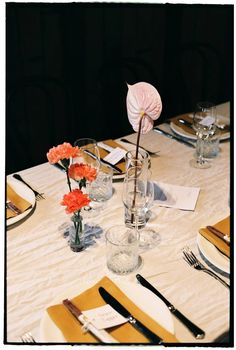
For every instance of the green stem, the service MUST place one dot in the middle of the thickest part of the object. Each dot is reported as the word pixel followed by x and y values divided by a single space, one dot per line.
pixel 78 228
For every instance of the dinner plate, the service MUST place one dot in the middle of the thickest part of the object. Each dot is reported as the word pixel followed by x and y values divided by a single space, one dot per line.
pixel 181 132
pixel 26 193
pixel 142 297
pixel 212 254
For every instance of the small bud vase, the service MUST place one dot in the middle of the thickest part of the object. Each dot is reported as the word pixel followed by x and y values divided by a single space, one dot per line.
pixel 76 233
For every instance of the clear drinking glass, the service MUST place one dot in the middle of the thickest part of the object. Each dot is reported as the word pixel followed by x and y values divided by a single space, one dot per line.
pixel 89 153
pixel 122 245
pixel 204 124
pixel 138 196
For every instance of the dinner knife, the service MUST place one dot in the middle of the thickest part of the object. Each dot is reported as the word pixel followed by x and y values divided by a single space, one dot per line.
pixel 179 139
pixel 109 299
pixel 104 162
pixel 219 234
pixel 185 122
pixel 101 334
pixel 195 330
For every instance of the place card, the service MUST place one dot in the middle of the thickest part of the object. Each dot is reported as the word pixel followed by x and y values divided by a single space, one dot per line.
pixel 104 317
pixel 173 196
pixel 115 156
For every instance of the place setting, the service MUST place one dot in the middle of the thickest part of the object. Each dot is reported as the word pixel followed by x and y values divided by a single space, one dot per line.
pixel 20 201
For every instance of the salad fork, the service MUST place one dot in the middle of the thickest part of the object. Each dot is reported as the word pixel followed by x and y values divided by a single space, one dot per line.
pixel 38 195
pixel 192 260
pixel 27 338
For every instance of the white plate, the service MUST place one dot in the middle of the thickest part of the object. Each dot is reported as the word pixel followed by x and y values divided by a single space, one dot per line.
pixel 26 193
pixel 142 297
pixel 181 132
pixel 212 254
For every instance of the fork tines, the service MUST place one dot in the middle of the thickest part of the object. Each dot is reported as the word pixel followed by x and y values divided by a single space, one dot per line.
pixel 27 338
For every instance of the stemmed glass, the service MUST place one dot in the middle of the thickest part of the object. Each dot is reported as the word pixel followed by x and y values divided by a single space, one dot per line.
pixel 203 122
pixel 138 194
pixel 89 153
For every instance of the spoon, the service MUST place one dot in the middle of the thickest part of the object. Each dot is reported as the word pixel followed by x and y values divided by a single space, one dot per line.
pixel 132 143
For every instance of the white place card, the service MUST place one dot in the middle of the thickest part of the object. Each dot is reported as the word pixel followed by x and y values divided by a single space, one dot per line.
pixel 174 196
pixel 104 317
pixel 115 156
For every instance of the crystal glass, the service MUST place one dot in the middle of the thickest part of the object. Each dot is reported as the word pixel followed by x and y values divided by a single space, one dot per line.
pixel 122 245
pixel 204 124
pixel 138 196
pixel 89 153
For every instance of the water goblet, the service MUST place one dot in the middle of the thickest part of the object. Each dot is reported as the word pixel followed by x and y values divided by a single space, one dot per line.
pixel 203 123
pixel 89 153
pixel 138 196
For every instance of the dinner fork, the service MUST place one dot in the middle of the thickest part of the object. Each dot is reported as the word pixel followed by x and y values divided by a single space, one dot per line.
pixel 27 338
pixel 192 260
pixel 38 195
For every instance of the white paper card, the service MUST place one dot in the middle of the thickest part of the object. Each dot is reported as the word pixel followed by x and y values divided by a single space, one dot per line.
pixel 105 146
pixel 115 156
pixel 173 196
pixel 104 317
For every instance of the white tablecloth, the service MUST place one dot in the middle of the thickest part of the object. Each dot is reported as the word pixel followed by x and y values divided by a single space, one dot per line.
pixel 40 265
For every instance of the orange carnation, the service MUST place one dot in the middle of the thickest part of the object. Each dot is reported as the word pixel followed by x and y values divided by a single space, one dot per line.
pixel 82 171
pixel 63 151
pixel 75 200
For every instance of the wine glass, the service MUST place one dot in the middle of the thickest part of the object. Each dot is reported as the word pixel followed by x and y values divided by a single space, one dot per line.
pixel 138 196
pixel 89 153
pixel 204 124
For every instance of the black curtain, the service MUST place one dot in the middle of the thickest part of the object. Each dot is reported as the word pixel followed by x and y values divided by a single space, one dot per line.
pixel 68 65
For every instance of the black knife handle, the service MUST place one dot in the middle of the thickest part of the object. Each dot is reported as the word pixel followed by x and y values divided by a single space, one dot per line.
pixel 144 330
pixel 195 330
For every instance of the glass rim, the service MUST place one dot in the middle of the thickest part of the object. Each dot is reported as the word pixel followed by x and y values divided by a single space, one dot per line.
pixel 85 141
pixel 108 231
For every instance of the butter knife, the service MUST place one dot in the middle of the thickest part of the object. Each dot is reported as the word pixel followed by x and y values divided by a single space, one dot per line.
pixel 109 299
pixel 101 334
pixel 13 207
pixel 195 330
pixel 179 139
pixel 219 234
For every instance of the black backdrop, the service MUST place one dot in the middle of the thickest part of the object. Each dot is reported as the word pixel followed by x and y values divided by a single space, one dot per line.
pixel 68 65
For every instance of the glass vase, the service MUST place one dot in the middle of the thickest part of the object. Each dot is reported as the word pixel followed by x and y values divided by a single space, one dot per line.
pixel 76 234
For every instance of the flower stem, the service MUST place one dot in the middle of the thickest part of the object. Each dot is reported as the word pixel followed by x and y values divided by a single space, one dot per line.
pixel 68 180
pixel 136 157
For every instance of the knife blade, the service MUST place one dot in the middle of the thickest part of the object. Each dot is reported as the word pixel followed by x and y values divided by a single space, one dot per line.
pixel 101 334
pixel 160 131
pixel 195 330
pixel 109 299
pixel 219 234
pixel 104 162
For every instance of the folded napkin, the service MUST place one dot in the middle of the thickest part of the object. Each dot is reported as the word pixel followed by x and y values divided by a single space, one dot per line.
pixel 223 226
pixel 104 153
pixel 17 200
pixel 183 126
pixel 125 333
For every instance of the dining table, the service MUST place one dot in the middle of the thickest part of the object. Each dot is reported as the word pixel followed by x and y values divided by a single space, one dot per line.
pixel 40 267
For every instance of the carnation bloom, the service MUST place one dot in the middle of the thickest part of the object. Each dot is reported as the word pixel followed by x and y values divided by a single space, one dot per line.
pixel 143 100
pixel 63 151
pixel 75 200
pixel 82 171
